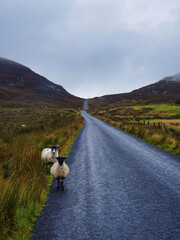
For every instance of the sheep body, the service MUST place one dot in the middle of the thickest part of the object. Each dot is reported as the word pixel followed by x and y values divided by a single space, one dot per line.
pixel 50 154
pixel 60 170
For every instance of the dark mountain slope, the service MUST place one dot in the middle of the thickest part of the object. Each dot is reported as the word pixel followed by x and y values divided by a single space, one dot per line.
pixel 165 86
pixel 19 83
pixel 166 90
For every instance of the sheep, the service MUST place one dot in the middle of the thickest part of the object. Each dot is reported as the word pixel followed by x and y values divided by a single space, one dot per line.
pixel 50 154
pixel 60 170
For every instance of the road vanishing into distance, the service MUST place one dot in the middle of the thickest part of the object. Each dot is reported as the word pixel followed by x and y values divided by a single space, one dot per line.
pixel 119 188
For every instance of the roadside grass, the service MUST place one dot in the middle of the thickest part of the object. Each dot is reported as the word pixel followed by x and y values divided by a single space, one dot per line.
pixel 24 180
pixel 161 107
pixel 157 124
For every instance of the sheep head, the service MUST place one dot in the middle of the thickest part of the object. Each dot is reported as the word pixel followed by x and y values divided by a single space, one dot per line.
pixel 61 160
pixel 54 148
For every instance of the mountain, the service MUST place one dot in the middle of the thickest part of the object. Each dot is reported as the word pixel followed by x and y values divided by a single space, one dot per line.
pixel 19 83
pixel 168 85
pixel 166 90
pixel 175 78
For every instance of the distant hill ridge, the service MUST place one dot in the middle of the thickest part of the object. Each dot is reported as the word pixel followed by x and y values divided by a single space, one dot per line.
pixel 15 74
pixel 168 85
pixel 166 90
pixel 20 83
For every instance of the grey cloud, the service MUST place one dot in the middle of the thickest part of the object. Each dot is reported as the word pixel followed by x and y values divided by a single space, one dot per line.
pixel 93 48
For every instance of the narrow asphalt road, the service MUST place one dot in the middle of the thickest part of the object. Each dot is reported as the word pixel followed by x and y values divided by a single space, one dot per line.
pixel 119 187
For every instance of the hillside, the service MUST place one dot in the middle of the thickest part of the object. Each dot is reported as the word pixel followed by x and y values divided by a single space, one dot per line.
pixel 166 90
pixel 19 83
pixel 167 85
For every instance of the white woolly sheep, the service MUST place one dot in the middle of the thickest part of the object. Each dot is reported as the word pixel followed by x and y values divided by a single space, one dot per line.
pixel 50 154
pixel 60 170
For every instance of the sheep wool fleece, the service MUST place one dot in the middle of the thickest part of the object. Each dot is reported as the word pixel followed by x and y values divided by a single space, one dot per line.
pixel 60 171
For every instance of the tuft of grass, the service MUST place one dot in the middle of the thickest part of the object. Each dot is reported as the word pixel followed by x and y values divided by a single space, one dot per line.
pixel 24 181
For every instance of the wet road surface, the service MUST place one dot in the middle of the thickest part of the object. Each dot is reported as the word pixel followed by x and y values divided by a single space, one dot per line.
pixel 119 187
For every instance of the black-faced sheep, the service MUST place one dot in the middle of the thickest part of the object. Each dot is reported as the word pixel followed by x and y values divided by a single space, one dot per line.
pixel 60 170
pixel 50 154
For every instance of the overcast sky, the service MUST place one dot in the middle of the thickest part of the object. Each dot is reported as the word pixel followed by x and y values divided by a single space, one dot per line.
pixel 93 47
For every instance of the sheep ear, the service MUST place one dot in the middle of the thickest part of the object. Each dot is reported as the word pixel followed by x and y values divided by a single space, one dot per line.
pixel 57 146
pixel 50 146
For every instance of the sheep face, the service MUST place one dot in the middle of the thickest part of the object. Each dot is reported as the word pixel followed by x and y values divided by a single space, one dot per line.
pixel 61 160
pixel 54 148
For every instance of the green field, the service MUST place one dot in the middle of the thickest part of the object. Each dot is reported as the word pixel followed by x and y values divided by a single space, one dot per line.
pixel 24 181
pixel 158 124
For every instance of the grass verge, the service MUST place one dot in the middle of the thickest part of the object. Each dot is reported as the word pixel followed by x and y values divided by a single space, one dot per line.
pixel 157 124
pixel 24 181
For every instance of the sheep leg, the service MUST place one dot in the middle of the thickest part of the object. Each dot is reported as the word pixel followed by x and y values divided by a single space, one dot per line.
pixel 62 184
pixel 57 183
